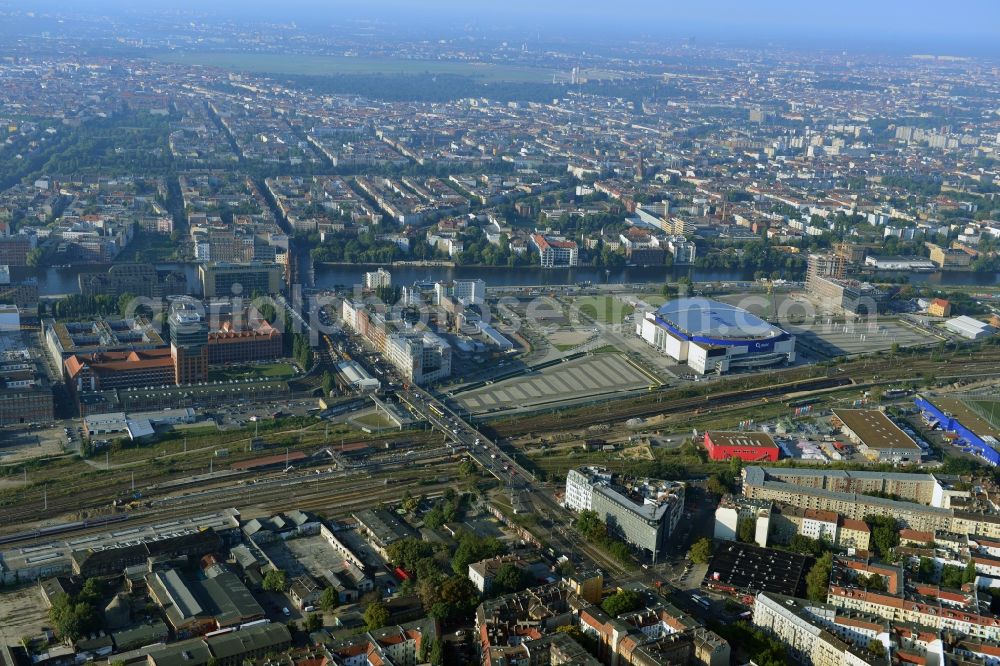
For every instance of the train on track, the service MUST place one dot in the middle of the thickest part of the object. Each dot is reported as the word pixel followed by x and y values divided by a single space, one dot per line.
pixel 63 527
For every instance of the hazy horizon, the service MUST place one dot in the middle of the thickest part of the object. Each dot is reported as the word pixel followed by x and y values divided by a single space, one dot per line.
pixel 964 27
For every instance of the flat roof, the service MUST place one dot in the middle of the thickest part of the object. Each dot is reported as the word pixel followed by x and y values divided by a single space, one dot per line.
pixel 705 317
pixel 757 569
pixel 966 416
pixel 744 439
pixel 59 551
pixel 875 429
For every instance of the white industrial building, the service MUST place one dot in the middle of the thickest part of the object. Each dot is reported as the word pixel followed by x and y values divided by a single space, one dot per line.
pixel 136 425
pixel 711 336
pixel 357 377
pixel 970 328
pixel 496 337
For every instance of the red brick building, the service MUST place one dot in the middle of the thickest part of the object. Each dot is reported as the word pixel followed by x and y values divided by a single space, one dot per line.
pixel 747 446
pixel 249 345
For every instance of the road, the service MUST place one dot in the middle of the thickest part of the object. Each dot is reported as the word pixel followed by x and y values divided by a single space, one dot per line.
pixel 527 495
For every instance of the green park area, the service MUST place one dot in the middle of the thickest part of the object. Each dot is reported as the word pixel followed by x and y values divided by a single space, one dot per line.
pixel 603 309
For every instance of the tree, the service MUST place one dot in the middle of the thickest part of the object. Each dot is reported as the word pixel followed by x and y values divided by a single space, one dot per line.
pixel 885 534
pixel 719 483
pixel 969 575
pixel 473 548
pixel 436 656
pixel 376 616
pixel 313 622
pixel 818 578
pixel 73 617
pixel 746 529
pixel 34 256
pixel 328 599
pixel 701 551
pixel 275 581
pixel 407 552
pixel 459 596
pixel 800 543
pixel 621 601
pixel 926 570
pixel 410 503
pixel 510 578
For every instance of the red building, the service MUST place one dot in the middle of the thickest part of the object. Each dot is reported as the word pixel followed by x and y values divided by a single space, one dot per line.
pixel 747 446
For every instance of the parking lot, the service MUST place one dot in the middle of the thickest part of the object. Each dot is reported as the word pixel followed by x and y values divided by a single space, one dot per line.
pixel 581 378
pixel 829 339
pixel 22 613
pixel 24 443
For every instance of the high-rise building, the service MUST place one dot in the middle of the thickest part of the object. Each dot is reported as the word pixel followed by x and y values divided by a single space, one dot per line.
pixel 826 265
pixel 378 279
pixel 189 346
pixel 245 279
pixel 644 512
pixel 469 292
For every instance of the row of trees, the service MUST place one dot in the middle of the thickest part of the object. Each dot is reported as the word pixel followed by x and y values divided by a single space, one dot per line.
pixel 595 530
pixel 78 306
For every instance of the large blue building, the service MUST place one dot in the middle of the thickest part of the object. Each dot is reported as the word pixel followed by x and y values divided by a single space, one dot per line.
pixel 981 445
pixel 711 336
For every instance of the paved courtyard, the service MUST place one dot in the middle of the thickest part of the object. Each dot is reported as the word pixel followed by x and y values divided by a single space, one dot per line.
pixel 580 378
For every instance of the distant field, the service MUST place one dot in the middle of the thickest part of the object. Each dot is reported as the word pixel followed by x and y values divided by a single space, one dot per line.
pixel 268 63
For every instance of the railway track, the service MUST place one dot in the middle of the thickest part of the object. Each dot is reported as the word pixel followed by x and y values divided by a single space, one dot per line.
pixel 678 405
pixel 335 497
pixel 74 502
pixel 872 371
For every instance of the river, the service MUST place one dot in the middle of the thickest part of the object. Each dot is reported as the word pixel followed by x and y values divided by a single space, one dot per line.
pixel 58 281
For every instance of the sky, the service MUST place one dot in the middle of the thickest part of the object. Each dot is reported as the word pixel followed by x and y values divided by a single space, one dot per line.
pixel 912 25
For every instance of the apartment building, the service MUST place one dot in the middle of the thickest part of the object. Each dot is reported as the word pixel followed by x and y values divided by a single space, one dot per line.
pixel 809 640
pixel 644 512
pixel 555 251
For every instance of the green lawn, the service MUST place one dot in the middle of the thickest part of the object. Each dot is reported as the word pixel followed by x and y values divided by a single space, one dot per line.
pixel 265 370
pixel 374 420
pixel 989 410
pixel 275 63
pixel 603 309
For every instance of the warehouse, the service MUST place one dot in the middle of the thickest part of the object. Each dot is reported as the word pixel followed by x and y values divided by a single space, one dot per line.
pixel 973 431
pixel 877 437
pixel 747 446
pixel 715 337
pixel 357 377
pixel 970 328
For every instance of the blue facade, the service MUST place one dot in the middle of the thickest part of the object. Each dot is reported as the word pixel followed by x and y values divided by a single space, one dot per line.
pixel 951 424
